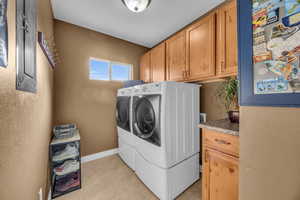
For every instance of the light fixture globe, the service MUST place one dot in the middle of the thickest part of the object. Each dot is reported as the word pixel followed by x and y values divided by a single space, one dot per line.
pixel 136 5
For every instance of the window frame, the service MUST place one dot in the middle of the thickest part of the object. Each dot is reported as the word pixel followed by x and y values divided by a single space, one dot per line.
pixel 110 64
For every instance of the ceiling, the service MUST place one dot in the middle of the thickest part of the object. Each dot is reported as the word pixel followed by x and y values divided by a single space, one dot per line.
pixel 148 28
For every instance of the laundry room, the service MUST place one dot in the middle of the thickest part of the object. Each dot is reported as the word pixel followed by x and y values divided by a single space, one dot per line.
pixel 149 99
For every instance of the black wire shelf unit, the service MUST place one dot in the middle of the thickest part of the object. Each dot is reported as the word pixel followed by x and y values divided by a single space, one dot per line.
pixel 65 183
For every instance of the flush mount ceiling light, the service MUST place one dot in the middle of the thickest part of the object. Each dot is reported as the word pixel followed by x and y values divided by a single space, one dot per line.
pixel 136 5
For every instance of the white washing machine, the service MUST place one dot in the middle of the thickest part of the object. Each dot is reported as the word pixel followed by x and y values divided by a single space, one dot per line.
pixel 126 139
pixel 165 119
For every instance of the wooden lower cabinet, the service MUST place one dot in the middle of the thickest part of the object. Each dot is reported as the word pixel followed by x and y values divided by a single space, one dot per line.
pixel 220 178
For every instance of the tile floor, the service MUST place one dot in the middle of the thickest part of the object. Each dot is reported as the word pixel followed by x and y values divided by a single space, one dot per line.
pixel 110 179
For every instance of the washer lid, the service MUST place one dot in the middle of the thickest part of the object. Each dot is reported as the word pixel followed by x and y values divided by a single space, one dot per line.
pixel 144 118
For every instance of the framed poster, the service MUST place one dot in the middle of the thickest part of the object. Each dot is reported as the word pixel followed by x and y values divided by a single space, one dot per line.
pixel 3 34
pixel 269 52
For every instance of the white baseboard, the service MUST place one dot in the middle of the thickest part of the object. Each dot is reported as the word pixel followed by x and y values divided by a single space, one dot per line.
pixel 99 155
pixel 49 195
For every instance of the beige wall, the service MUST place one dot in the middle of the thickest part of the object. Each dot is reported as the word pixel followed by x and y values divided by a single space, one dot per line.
pixel 270 153
pixel 90 104
pixel 209 103
pixel 25 119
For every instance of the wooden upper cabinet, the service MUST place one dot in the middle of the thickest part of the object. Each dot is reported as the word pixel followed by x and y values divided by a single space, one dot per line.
pixel 158 62
pixel 227 51
pixel 221 176
pixel 145 68
pixel 176 57
pixel 200 41
pixel 205 50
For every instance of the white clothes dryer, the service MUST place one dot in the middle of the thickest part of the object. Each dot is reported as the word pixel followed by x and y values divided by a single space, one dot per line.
pixel 165 119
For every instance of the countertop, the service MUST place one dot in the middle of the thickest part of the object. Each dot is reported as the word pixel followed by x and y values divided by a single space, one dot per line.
pixel 223 125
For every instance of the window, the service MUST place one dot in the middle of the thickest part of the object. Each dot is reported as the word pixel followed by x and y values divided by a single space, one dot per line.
pixel 108 70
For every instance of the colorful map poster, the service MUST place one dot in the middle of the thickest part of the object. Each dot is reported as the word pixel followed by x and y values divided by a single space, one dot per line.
pixel 276 46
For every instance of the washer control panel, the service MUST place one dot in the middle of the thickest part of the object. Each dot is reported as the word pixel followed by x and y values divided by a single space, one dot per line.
pixel 148 88
pixel 125 92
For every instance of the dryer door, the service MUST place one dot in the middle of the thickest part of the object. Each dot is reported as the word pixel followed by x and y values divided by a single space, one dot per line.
pixel 146 118
pixel 123 112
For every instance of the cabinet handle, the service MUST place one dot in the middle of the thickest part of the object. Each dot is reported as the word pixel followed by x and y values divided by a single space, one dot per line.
pixel 206 156
pixel 24 23
pixel 183 74
pixel 222 66
pixel 222 142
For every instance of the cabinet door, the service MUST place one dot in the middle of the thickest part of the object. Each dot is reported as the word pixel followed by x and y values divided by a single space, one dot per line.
pixel 227 58
pixel 26 43
pixel 158 62
pixel 221 176
pixel 145 68
pixel 201 48
pixel 176 57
